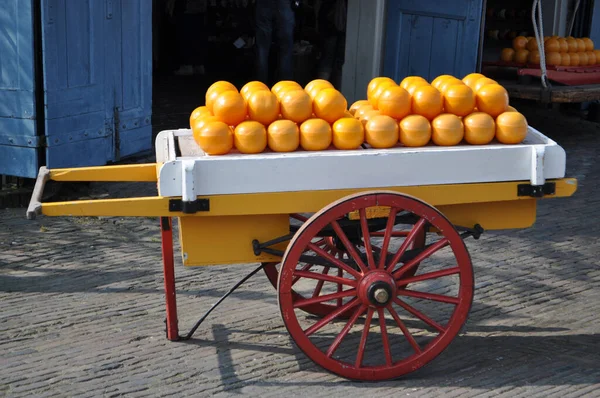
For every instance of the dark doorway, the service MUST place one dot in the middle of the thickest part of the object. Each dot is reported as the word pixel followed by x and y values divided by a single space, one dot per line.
pixel 198 42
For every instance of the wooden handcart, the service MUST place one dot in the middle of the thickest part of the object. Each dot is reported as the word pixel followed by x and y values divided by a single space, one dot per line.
pixel 365 248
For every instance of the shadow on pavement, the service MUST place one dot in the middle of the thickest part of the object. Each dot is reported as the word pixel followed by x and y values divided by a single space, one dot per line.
pixel 470 361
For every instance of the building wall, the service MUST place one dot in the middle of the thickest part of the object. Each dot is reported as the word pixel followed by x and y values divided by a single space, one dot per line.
pixel 554 14
pixel 364 46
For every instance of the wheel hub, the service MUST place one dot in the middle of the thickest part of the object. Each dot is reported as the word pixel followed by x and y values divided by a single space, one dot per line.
pixel 377 288
pixel 381 294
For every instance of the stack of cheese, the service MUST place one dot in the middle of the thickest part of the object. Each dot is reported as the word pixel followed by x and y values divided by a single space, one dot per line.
pixel 283 119
pixel 414 113
pixel 446 112
pixel 559 51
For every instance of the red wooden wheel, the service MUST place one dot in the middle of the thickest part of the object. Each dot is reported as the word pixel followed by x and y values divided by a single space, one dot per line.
pixel 417 314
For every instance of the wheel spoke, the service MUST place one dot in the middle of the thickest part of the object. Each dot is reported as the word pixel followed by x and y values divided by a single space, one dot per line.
pixel 407 242
pixel 428 276
pixel 387 235
pixel 350 248
pixel 404 329
pixel 429 296
pixel 320 282
pixel 363 338
pixel 307 267
pixel 384 337
pixel 364 225
pixel 420 257
pixel 322 243
pixel 324 277
pixel 420 315
pixel 330 317
pixel 303 269
pixel 338 340
pixel 395 234
pixel 299 217
pixel 327 297
pixel 339 287
pixel 334 261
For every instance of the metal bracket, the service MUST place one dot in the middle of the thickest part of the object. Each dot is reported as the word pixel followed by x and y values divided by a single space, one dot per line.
pixel 20 140
pixel 475 232
pixel 536 191
pixel 165 223
pixel 546 95
pixel 538 153
pixel 189 207
pixel 109 9
pixel 187 180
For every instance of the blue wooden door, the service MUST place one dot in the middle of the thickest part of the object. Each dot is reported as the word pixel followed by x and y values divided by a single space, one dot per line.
pixel 78 131
pixel 97 78
pixel 132 27
pixel 433 37
pixel 18 138
pixel 595 24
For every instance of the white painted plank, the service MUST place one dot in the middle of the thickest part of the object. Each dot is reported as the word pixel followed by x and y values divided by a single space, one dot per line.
pixel 366 168
pixel 165 145
pixel 188 146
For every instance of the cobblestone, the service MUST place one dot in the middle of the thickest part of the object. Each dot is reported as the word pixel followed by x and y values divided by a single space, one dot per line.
pixel 83 309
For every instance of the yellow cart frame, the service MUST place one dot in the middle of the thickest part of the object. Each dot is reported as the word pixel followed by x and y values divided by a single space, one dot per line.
pixel 263 216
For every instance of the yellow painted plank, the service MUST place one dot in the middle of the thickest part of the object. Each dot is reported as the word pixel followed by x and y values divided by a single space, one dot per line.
pixel 371 212
pixel 152 206
pixel 228 239
pixel 295 202
pixel 312 201
pixel 145 172
pixel 493 215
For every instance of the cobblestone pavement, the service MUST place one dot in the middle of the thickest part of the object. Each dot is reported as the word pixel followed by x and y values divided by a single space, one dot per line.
pixel 83 309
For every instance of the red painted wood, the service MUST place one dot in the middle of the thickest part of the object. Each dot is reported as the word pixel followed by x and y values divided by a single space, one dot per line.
pixel 169 277
pixel 319 309
pixel 567 75
pixel 387 236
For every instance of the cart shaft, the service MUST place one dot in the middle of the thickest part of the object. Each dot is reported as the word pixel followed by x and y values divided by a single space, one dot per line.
pixel 295 202
pixel 145 172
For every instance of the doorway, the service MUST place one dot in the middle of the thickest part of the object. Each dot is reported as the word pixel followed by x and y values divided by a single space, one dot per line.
pixel 198 42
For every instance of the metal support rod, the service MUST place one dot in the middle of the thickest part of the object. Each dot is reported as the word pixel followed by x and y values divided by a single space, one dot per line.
pixel 233 289
pixel 166 229
pixel 475 232
pixel 276 241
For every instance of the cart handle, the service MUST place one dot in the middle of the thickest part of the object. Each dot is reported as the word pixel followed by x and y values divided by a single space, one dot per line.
pixel 145 172
pixel 35 204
